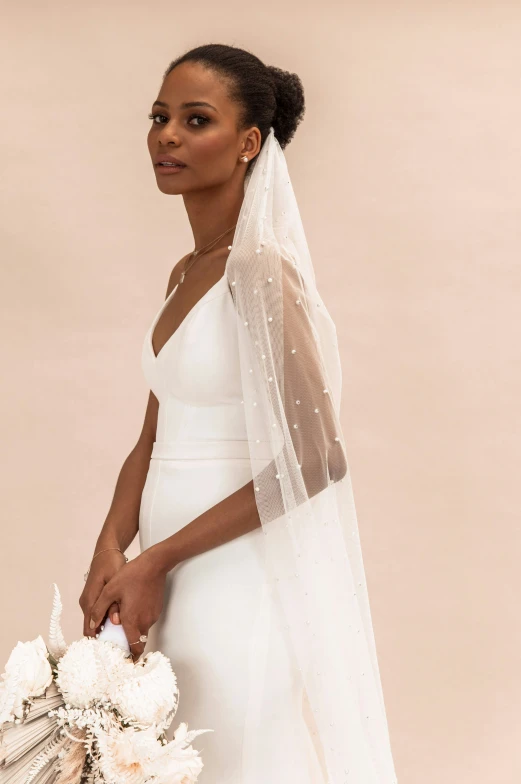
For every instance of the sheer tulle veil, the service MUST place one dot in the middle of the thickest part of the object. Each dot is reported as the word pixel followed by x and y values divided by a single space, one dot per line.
pixel 291 380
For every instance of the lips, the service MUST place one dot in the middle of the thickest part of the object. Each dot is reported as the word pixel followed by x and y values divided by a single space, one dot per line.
pixel 164 171
pixel 168 159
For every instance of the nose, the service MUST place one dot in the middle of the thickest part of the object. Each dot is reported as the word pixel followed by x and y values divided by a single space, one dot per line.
pixel 168 134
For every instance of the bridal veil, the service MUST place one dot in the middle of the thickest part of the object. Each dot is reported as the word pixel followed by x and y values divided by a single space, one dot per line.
pixel 291 380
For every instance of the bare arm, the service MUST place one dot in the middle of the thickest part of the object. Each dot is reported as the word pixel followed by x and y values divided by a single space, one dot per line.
pixel 233 516
pixel 122 522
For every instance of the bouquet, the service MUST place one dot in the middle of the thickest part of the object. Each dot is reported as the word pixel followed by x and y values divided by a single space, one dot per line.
pixel 87 714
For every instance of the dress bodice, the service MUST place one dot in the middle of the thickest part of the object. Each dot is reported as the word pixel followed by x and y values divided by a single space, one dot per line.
pixel 196 376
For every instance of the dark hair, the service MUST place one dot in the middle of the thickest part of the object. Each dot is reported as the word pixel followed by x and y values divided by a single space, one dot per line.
pixel 267 95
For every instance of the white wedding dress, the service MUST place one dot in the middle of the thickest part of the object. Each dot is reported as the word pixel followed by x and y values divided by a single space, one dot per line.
pixel 221 625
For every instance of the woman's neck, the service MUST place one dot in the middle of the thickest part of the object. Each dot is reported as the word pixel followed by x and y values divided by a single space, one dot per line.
pixel 213 211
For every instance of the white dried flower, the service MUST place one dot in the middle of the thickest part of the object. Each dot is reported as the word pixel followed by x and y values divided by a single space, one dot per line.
pixel 137 756
pixel 126 753
pixel 87 669
pixel 178 762
pixel 27 674
pixel 149 692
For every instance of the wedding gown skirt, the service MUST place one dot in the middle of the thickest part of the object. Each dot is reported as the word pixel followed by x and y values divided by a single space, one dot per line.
pixel 221 626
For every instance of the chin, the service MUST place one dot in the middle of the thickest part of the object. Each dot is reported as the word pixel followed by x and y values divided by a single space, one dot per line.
pixel 171 190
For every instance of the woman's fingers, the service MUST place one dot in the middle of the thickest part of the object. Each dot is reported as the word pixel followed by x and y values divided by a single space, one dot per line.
pixel 133 634
pixel 100 607
pixel 113 613
pixel 87 608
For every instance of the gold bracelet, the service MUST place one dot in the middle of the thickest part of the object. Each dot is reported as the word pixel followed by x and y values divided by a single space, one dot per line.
pixel 85 576
pixel 105 550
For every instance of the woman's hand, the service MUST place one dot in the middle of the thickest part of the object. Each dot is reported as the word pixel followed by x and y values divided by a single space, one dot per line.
pixel 138 587
pixel 103 567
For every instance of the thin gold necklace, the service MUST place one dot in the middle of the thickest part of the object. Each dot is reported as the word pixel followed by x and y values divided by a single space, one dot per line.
pixel 195 254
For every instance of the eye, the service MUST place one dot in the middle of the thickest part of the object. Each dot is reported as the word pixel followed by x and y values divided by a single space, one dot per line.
pixel 199 117
pixel 153 116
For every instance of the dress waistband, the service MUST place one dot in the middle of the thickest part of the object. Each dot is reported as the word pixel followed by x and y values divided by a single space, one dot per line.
pixel 185 450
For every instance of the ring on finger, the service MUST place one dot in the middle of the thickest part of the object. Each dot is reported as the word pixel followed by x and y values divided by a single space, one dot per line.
pixel 142 638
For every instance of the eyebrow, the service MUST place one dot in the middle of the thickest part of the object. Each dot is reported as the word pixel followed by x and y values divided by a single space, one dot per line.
pixel 187 105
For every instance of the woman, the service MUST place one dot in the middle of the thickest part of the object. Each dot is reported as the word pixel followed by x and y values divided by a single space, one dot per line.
pixel 250 576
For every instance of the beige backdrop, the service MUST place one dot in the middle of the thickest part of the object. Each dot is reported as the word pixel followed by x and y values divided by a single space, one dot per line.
pixel 407 170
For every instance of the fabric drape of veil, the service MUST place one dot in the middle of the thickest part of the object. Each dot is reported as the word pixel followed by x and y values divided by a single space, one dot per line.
pixel 291 379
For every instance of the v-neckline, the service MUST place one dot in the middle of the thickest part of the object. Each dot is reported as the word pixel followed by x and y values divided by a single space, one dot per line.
pixel 190 312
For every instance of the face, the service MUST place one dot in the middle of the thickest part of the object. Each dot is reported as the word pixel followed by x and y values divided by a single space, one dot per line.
pixel 203 135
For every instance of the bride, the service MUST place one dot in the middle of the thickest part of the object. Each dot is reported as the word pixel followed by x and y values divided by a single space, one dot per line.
pixel 250 577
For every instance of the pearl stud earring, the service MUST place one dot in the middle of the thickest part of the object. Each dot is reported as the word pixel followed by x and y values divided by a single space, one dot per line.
pixel 245 159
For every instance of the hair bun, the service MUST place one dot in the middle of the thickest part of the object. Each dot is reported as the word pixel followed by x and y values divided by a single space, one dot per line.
pixel 289 95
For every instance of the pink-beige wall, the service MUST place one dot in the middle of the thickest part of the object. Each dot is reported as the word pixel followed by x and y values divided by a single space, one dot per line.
pixel 407 168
